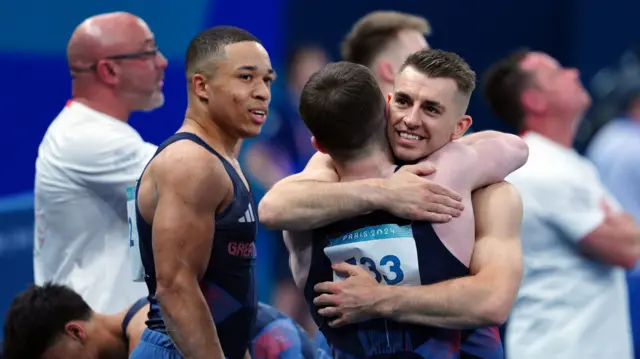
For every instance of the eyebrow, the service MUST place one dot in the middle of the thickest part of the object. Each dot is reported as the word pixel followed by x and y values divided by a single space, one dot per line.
pixel 423 103
pixel 433 104
pixel 255 68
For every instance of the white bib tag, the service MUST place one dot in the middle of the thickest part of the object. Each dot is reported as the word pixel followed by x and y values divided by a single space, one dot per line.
pixel 137 269
pixel 387 251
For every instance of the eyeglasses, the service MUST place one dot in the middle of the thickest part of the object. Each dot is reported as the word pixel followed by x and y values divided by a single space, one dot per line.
pixel 129 56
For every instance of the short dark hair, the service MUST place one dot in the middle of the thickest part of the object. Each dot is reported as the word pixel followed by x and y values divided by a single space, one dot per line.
pixel 372 33
pixel 503 84
pixel 38 316
pixel 443 64
pixel 344 109
pixel 210 43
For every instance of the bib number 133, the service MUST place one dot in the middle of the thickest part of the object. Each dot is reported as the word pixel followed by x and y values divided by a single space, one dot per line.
pixel 391 262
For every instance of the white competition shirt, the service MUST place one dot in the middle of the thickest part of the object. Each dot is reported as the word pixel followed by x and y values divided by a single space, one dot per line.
pixel 568 306
pixel 85 163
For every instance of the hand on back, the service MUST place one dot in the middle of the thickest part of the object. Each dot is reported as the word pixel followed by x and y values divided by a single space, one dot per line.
pixel 414 197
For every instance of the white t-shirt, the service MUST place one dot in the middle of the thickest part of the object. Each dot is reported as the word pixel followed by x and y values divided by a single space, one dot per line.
pixel 568 306
pixel 85 163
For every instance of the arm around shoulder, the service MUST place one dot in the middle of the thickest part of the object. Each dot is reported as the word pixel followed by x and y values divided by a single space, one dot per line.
pixel 496 155
pixel 315 197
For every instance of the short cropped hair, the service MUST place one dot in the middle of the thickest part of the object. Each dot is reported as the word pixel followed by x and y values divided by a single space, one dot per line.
pixel 372 33
pixel 443 64
pixel 503 84
pixel 210 43
pixel 38 316
pixel 344 109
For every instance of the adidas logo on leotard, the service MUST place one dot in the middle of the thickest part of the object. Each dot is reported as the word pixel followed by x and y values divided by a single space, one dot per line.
pixel 248 216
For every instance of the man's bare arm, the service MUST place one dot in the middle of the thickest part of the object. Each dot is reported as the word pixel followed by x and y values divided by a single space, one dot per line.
pixel 496 155
pixel 299 247
pixel 189 190
pixel 615 242
pixel 314 197
pixel 479 136
pixel 581 210
pixel 486 296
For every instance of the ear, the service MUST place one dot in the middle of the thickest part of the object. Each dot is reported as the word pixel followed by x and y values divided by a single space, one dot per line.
pixel 76 330
pixel 317 145
pixel 387 111
pixel 386 71
pixel 532 100
pixel 462 126
pixel 199 87
pixel 107 71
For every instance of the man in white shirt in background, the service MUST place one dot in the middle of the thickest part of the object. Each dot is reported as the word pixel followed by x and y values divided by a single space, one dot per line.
pixel 576 243
pixel 90 155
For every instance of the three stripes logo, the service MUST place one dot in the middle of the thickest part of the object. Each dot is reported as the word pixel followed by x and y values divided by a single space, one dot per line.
pixel 248 216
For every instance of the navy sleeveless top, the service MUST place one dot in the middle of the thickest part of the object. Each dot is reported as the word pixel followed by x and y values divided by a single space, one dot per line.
pixel 228 284
pixel 396 252
pixel 133 310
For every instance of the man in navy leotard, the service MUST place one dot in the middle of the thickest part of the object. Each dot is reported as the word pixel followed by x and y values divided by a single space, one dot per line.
pixel 53 321
pixel 195 216
pixel 427 112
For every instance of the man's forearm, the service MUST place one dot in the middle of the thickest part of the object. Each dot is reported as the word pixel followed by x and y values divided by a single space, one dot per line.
pixel 479 136
pixel 496 156
pixel 617 241
pixel 306 205
pixel 189 322
pixel 458 304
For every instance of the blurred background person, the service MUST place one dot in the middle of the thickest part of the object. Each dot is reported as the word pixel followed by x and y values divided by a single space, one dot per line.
pixel 88 157
pixel 382 41
pixel 576 241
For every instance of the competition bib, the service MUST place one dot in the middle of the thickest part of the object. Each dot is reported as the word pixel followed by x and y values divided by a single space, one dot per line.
pixel 387 251
pixel 137 269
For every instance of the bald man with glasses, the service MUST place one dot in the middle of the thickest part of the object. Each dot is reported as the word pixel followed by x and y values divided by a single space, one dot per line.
pixel 88 158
